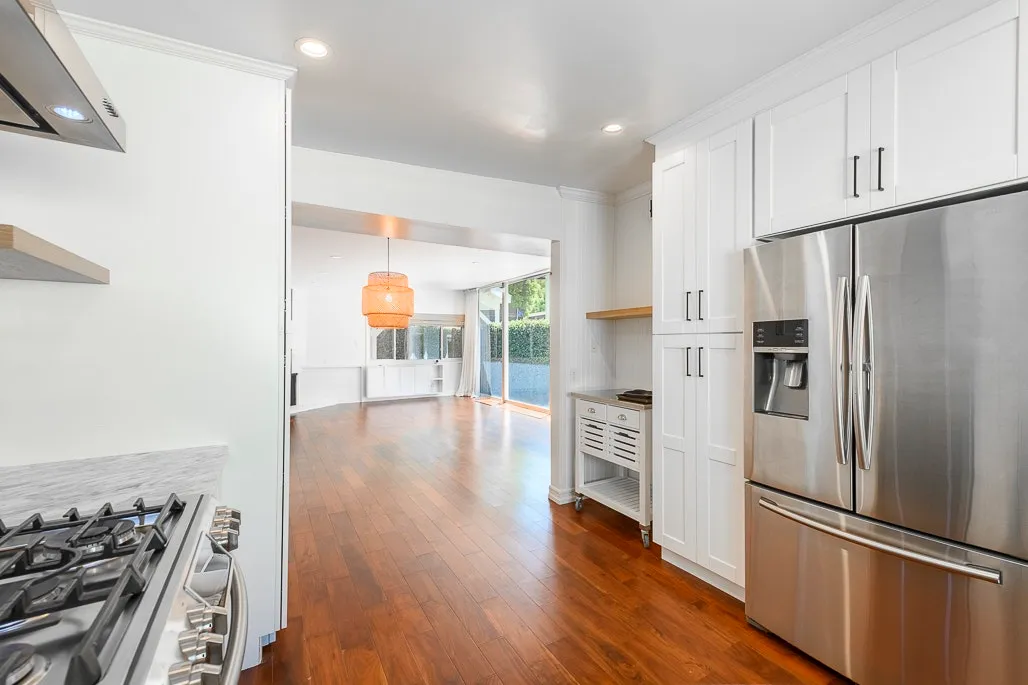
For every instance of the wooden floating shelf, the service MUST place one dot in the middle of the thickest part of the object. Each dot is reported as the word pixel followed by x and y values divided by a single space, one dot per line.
pixel 615 314
pixel 25 257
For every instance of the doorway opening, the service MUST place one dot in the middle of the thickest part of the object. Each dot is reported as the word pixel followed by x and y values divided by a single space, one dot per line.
pixel 514 341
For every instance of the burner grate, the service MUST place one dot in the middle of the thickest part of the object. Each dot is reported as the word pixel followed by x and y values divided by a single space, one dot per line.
pixel 53 556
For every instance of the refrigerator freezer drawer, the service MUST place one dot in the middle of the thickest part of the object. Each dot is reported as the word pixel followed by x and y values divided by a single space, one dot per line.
pixel 882 605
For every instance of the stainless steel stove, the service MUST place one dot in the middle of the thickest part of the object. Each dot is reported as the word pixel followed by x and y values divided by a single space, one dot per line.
pixel 146 596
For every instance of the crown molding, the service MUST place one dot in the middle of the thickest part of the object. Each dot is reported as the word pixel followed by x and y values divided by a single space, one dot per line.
pixel 789 70
pixel 86 26
pixel 634 193
pixel 581 195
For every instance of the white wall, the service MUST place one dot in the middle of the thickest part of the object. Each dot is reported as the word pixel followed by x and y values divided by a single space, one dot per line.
pixel 184 347
pixel 633 285
pixel 330 332
pixel 419 193
pixel 583 268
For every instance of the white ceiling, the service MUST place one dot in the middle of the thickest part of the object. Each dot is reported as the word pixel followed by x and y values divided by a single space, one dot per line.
pixel 516 89
pixel 427 265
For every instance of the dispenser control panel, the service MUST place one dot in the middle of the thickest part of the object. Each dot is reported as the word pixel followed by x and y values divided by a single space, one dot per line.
pixel 786 333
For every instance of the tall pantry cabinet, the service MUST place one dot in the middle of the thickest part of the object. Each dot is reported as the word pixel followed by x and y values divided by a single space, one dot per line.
pixel 702 211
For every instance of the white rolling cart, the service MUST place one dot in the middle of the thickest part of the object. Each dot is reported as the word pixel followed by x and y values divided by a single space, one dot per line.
pixel 613 463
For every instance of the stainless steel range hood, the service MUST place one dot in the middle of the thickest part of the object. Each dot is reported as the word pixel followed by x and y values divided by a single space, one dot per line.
pixel 44 75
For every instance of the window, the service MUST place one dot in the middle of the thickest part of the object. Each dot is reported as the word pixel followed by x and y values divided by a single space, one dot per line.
pixel 427 338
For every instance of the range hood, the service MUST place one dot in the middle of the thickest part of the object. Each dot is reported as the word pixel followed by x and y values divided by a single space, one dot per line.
pixel 47 87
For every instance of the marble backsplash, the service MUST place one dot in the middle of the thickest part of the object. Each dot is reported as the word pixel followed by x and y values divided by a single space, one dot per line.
pixel 52 488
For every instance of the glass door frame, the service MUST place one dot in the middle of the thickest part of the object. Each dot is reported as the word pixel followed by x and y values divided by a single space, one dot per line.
pixel 505 336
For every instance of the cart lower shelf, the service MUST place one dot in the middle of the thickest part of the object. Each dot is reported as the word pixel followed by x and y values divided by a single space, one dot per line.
pixel 620 493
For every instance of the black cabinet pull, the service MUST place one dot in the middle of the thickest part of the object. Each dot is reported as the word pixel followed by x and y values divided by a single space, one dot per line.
pixel 700 299
pixel 880 186
pixel 687 372
pixel 856 158
pixel 699 360
pixel 688 296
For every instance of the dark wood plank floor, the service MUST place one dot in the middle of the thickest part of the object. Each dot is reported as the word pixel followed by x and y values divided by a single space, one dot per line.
pixel 423 549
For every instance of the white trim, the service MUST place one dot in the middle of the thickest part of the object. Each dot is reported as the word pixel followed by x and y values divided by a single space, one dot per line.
pixel 642 190
pixel 86 26
pixel 562 496
pixel 704 574
pixel 890 30
pixel 582 195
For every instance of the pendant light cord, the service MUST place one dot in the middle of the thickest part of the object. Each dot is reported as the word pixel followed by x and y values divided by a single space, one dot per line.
pixel 389 272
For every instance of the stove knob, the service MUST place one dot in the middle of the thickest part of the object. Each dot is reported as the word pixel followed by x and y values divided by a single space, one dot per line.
pixel 229 539
pixel 231 524
pixel 186 673
pixel 228 513
pixel 208 619
pixel 198 646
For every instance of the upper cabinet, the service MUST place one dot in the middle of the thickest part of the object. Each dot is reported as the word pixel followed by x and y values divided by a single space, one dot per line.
pixel 811 160
pixel 938 116
pixel 702 213
pixel 944 110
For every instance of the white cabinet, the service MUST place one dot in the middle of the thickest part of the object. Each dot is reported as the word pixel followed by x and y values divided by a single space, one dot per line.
pixel 674 233
pixel 701 221
pixel 944 114
pixel 698 476
pixel 811 159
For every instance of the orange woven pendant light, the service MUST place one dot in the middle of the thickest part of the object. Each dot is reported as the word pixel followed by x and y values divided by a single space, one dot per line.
pixel 387 300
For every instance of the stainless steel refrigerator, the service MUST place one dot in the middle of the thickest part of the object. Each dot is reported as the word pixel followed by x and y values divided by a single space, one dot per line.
pixel 887 444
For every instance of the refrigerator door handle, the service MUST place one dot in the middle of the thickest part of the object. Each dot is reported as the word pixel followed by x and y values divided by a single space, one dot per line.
pixel 987 574
pixel 841 378
pixel 863 369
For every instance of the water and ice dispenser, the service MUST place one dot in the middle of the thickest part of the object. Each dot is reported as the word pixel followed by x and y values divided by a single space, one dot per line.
pixel 780 368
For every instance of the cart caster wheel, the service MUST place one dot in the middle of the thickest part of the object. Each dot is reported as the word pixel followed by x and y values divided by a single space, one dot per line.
pixel 578 502
pixel 646 539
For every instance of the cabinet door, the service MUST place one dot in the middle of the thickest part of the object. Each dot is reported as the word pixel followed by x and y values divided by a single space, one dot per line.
pixel 674 230
pixel 945 109
pixel 724 191
pixel 719 470
pixel 812 156
pixel 674 443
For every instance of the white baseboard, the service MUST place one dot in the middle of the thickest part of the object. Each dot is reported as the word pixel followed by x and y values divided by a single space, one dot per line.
pixel 565 496
pixel 706 575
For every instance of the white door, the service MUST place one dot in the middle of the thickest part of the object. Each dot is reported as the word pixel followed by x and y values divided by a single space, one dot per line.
pixel 674 443
pixel 946 107
pixel 674 230
pixel 724 192
pixel 812 156
pixel 719 479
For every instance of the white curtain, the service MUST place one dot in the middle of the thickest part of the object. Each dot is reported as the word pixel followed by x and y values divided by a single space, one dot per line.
pixel 469 371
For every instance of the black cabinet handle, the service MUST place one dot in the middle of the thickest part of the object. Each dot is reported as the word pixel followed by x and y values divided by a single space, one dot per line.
pixel 687 372
pixel 880 186
pixel 688 296
pixel 699 359
pixel 856 158
pixel 700 298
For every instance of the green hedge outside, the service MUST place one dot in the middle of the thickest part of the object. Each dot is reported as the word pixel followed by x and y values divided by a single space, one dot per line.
pixel 529 340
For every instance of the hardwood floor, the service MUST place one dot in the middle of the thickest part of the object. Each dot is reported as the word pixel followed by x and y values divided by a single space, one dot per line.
pixel 423 549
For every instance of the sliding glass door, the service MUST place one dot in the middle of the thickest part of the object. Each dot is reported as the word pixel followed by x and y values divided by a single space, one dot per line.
pixel 514 334
pixel 528 341
pixel 490 341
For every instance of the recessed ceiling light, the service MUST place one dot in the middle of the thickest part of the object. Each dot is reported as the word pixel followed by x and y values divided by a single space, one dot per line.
pixel 613 128
pixel 312 47
pixel 69 113
pixel 337 256
pixel 476 262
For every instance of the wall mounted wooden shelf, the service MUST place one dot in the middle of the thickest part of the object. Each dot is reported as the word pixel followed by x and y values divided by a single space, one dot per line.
pixel 615 314
pixel 25 257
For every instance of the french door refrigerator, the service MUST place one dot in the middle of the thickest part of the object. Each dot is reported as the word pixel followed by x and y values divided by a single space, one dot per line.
pixel 887 444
